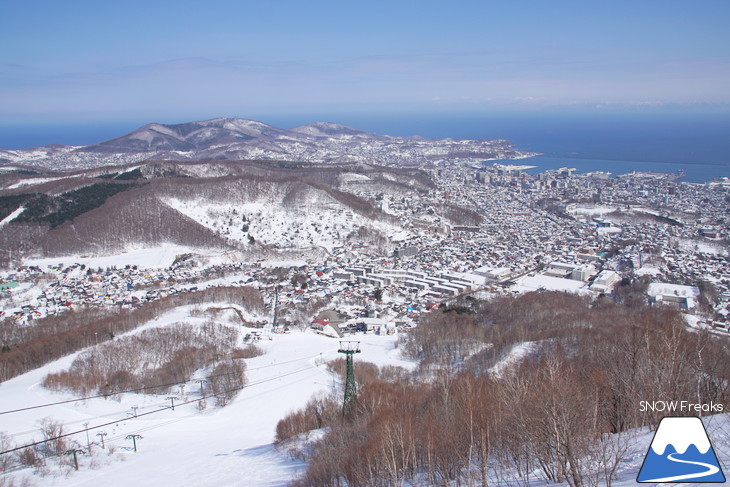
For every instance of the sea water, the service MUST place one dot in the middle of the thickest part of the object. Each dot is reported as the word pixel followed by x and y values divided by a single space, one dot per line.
pixel 698 144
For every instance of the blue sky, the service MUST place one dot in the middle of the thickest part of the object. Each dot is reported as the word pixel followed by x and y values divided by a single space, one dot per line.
pixel 94 61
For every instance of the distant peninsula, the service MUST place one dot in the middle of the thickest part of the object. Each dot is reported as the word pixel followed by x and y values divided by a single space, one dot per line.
pixel 241 139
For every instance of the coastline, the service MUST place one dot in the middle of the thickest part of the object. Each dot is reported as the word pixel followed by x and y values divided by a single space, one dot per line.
pixel 694 172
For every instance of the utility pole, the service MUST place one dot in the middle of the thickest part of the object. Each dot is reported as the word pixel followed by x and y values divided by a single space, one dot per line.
pixel 101 435
pixel 74 452
pixel 134 440
pixel 88 441
pixel 349 348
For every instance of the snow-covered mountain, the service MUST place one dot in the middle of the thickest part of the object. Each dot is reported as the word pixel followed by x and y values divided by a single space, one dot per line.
pixel 240 139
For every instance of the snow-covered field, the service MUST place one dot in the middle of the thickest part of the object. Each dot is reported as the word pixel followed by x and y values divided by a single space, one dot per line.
pixel 147 258
pixel 542 282
pixel 594 210
pixel 703 246
pixel 32 182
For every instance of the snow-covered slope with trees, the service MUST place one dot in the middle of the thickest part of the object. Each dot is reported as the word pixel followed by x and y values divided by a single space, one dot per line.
pixel 254 208
pixel 190 445
pixel 231 446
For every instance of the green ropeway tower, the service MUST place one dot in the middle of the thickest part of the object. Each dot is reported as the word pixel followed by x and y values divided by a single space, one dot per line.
pixel 349 349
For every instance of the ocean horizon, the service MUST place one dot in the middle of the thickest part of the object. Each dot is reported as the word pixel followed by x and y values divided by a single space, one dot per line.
pixel 698 144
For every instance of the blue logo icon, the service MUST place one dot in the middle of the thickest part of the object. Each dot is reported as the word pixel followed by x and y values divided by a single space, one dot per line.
pixel 681 452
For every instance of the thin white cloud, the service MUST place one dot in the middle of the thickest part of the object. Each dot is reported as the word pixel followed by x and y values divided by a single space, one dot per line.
pixel 199 83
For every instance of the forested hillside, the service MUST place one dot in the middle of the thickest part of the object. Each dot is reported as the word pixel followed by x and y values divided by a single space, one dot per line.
pixel 254 208
pixel 544 382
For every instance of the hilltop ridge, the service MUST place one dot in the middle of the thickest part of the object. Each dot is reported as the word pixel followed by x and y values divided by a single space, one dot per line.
pixel 243 139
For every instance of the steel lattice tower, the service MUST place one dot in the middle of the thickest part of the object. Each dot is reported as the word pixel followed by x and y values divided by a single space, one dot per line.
pixel 349 348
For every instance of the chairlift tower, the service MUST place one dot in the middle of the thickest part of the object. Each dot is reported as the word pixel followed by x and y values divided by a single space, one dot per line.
pixel 276 306
pixel 349 348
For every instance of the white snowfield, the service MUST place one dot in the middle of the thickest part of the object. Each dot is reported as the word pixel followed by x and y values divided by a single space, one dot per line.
pixel 12 216
pixel 231 446
pixel 31 182
pixel 542 282
pixel 146 258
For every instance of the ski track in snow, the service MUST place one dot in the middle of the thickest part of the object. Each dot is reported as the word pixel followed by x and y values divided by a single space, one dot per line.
pixel 711 470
